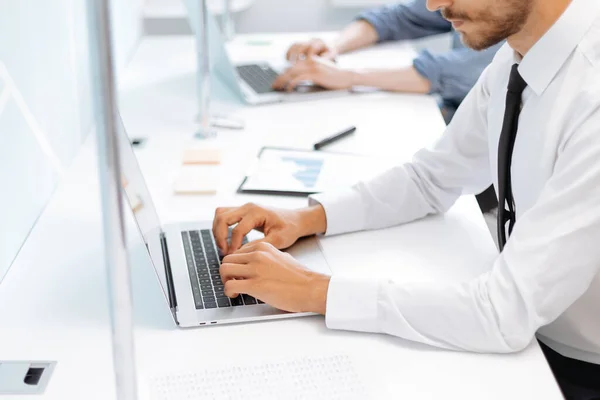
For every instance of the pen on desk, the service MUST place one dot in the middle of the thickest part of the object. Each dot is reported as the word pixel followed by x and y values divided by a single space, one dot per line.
pixel 336 137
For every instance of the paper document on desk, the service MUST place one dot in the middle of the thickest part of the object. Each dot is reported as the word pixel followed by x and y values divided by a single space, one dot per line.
pixel 301 172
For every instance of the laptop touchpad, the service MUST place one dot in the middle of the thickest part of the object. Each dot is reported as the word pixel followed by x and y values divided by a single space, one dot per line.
pixel 309 254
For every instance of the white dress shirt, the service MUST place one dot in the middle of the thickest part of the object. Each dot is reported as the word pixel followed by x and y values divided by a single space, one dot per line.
pixel 547 278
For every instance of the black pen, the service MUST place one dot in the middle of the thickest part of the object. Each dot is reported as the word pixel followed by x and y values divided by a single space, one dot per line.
pixel 331 139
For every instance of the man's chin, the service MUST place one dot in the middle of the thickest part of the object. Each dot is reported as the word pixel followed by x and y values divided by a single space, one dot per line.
pixel 475 42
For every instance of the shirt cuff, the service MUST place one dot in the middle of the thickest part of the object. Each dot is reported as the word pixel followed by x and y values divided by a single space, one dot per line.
pixel 352 304
pixel 343 210
pixel 426 66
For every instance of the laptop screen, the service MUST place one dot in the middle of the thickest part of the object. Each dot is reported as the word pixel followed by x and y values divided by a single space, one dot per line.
pixel 138 197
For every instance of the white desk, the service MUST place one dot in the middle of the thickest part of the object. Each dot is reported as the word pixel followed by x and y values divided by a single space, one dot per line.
pixel 53 302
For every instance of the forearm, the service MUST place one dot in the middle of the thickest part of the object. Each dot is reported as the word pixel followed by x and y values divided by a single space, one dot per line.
pixel 355 36
pixel 405 80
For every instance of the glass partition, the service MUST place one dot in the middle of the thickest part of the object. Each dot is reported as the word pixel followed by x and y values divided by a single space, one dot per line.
pixel 45 109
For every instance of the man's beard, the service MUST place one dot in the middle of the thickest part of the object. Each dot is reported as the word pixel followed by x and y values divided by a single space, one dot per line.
pixel 496 27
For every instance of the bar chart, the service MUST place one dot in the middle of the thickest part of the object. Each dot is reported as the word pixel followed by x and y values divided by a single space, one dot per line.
pixel 307 170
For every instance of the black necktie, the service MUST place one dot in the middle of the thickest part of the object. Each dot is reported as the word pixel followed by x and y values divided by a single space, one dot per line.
pixel 516 86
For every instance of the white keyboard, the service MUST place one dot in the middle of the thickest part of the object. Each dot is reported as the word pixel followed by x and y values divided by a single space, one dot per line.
pixel 331 377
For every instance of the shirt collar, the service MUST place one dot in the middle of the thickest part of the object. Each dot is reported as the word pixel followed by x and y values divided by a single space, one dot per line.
pixel 545 59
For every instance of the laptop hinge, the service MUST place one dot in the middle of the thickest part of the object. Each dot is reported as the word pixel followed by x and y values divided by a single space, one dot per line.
pixel 169 275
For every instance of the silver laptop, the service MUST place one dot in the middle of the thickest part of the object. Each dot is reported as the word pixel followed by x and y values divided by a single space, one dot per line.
pixel 251 82
pixel 187 260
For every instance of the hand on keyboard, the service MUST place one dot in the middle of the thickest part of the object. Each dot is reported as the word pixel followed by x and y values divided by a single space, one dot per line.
pixel 319 71
pixel 262 271
pixel 282 228
pixel 315 47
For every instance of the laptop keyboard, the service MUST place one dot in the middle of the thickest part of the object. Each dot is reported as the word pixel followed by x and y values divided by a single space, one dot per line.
pixel 203 262
pixel 260 77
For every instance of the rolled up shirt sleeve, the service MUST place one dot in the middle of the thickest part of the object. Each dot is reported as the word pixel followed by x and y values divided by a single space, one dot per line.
pixel 405 21
pixel 452 74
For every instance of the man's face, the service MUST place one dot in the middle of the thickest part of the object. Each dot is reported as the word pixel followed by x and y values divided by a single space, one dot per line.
pixel 484 23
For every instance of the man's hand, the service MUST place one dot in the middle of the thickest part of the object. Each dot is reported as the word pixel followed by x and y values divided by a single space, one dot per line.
pixel 282 228
pixel 262 271
pixel 304 50
pixel 317 70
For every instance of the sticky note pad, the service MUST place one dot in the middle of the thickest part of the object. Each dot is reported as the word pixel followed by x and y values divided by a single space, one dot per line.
pixel 134 201
pixel 201 156
pixel 258 42
pixel 193 181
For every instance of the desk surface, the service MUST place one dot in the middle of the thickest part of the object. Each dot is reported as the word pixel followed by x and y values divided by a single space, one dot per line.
pixel 53 302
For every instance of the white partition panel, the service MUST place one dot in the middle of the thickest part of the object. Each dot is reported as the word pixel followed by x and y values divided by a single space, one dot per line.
pixel 45 108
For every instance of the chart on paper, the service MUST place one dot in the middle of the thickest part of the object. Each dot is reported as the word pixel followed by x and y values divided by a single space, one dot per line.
pixel 306 170
pixel 281 170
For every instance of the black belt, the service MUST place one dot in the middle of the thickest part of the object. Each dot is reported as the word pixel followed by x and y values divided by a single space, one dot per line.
pixel 574 371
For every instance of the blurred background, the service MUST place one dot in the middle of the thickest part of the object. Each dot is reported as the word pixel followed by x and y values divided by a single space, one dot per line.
pixel 253 16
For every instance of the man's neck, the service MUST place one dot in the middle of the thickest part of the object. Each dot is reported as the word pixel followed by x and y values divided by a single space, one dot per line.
pixel 543 15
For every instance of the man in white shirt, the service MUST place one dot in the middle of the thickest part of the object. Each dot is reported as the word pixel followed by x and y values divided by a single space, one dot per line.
pixel 546 279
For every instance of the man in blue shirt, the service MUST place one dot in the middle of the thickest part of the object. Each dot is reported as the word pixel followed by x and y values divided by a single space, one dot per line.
pixel 450 74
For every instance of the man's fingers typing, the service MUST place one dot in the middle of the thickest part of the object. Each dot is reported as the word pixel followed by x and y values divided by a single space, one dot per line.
pixel 298 73
pixel 290 52
pixel 300 51
pixel 234 287
pixel 293 84
pixel 231 270
pixel 281 82
pixel 316 49
pixel 239 258
pixel 256 245
pixel 297 51
pixel 242 229
pixel 223 220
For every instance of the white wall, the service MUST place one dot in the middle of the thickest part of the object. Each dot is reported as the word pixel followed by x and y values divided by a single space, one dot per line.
pixel 168 17
pixel 314 16
pixel 293 16
pixel 45 110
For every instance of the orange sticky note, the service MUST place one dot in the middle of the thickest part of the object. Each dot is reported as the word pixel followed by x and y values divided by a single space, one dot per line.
pixel 192 181
pixel 202 156
pixel 134 200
